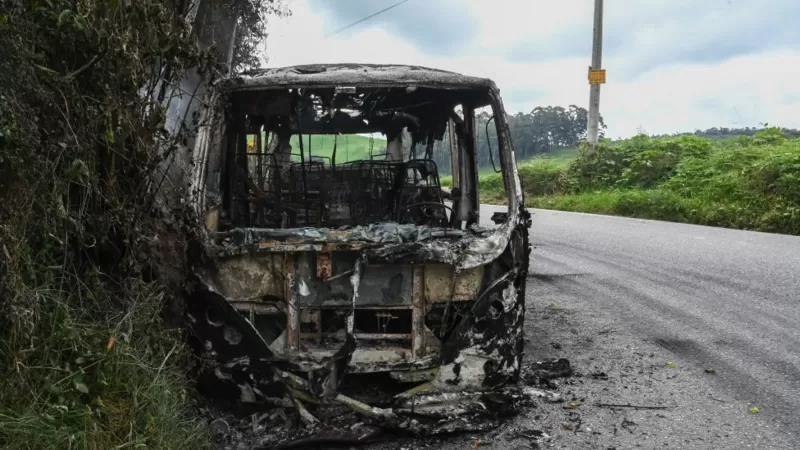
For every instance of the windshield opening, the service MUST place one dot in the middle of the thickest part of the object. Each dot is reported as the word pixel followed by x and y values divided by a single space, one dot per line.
pixel 332 158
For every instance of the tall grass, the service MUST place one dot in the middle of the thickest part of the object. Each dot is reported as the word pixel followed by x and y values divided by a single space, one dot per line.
pixel 89 252
pixel 94 379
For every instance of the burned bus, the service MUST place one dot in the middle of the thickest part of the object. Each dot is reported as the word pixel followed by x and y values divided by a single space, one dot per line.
pixel 333 269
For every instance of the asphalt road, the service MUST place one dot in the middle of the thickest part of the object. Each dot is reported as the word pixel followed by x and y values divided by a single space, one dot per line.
pixel 718 298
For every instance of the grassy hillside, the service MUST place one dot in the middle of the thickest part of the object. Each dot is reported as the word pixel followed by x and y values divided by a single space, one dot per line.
pixel 353 147
pixel 745 182
pixel 559 159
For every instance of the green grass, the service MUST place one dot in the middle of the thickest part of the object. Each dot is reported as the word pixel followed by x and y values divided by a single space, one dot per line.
pixel 541 176
pixel 88 265
pixel 97 379
pixel 561 157
pixel 551 162
pixel 352 147
pixel 483 174
pixel 747 183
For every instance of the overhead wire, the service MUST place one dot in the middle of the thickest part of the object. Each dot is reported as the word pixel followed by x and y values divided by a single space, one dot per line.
pixel 364 19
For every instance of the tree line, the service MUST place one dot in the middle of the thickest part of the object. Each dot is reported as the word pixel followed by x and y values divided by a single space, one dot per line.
pixel 547 129
pixel 725 133
pixel 543 130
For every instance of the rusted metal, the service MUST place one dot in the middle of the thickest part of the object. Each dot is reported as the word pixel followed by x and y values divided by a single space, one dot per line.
pixel 364 336
pixel 212 219
pixel 339 275
pixel 442 284
pixel 248 277
pixel 324 269
pixel 257 307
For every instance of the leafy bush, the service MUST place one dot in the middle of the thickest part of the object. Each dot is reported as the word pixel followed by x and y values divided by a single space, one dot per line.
pixel 778 173
pixel 768 136
pixel 542 177
pixel 650 161
pixel 744 182
pixel 637 162
pixel 87 260
pixel 600 167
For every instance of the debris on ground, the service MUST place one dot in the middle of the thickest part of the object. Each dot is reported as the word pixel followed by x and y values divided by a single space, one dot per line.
pixel 283 427
pixel 542 372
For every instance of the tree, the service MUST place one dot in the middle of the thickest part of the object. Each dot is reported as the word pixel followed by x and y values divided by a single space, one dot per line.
pixel 252 30
pixel 543 130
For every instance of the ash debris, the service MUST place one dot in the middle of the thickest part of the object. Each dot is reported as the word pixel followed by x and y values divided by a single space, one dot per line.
pixel 335 423
pixel 542 373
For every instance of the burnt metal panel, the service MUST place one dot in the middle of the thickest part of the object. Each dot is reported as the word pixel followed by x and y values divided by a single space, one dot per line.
pixel 380 285
pixel 249 277
pixel 441 287
pixel 324 266
pixel 352 75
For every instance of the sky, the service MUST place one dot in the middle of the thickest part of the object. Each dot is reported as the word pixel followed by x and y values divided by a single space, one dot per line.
pixel 672 65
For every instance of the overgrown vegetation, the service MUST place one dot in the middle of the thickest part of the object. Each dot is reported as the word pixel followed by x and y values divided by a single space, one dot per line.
pixel 89 254
pixel 747 182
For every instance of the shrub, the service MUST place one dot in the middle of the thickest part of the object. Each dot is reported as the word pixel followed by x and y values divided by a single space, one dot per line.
pixel 780 219
pixel 778 173
pixel 768 136
pixel 85 359
pixel 542 177
pixel 749 183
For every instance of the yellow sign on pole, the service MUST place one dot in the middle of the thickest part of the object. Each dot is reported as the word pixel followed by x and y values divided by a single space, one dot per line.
pixel 597 76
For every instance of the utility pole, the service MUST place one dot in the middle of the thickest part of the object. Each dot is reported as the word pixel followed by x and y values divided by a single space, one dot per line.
pixel 597 75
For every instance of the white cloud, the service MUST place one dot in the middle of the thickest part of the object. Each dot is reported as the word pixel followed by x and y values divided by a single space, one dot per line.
pixel 703 90
pixel 742 91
